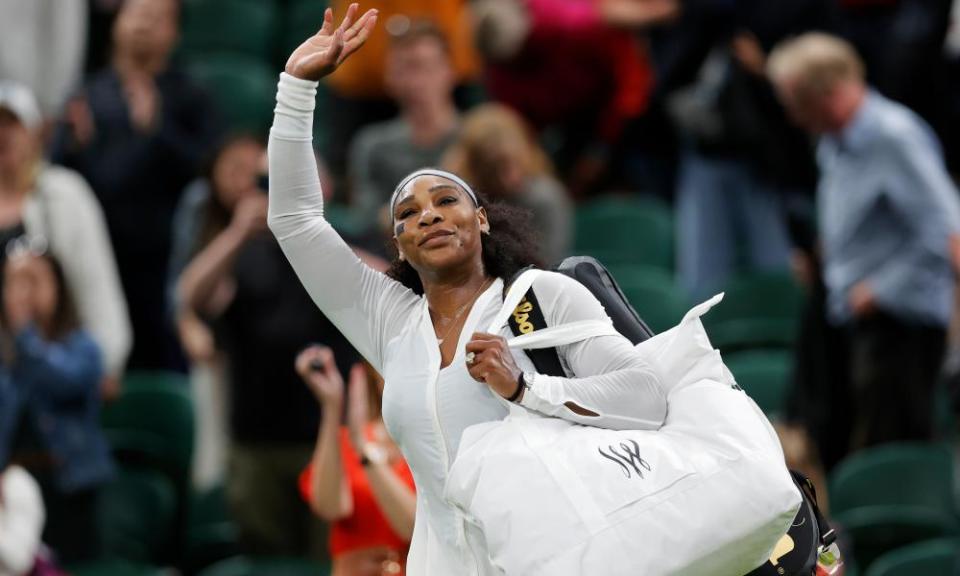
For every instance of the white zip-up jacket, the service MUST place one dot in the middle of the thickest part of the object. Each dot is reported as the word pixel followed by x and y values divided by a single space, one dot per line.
pixel 426 408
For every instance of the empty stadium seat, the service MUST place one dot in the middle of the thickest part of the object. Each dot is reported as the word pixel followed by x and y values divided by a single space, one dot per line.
pixel 138 516
pixel 211 534
pixel 939 557
pixel 150 428
pixel 242 88
pixel 626 231
pixel 888 496
pixel 301 20
pixel 244 566
pixel 243 27
pixel 115 568
pixel 757 310
pixel 765 376
pixel 153 420
pixel 653 294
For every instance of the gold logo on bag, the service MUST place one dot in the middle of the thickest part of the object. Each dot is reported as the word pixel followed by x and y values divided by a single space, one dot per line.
pixel 521 315
pixel 783 547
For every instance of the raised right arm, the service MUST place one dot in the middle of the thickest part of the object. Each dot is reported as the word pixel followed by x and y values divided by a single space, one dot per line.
pixel 366 306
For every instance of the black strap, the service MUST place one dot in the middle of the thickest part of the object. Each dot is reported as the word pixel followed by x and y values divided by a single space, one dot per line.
pixel 827 534
pixel 527 317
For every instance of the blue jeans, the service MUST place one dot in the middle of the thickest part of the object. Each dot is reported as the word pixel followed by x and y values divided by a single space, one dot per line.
pixel 728 222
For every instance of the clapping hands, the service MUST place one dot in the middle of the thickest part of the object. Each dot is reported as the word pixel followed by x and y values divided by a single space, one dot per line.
pixel 318 368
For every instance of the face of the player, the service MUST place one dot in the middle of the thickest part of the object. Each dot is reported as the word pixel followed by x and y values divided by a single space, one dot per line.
pixel 437 226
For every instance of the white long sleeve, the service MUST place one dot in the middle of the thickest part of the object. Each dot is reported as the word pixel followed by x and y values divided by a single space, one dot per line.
pixel 65 211
pixel 369 308
pixel 612 379
pixel 21 521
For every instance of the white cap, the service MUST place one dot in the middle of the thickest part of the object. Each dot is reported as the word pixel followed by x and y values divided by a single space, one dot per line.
pixel 19 100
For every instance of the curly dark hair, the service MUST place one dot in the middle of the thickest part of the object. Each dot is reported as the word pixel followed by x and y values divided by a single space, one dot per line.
pixel 511 245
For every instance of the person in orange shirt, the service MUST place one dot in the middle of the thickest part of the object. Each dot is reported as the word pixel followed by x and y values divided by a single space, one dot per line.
pixel 357 90
pixel 357 479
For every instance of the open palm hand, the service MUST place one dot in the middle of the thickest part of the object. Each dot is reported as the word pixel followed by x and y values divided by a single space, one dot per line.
pixel 321 53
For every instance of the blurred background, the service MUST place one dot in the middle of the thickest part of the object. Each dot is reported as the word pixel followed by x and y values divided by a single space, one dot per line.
pixel 152 419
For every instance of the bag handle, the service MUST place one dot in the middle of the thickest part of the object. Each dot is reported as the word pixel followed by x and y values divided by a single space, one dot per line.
pixel 518 289
pixel 562 335
pixel 545 337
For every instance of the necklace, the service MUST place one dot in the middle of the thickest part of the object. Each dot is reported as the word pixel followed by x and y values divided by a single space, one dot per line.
pixel 456 316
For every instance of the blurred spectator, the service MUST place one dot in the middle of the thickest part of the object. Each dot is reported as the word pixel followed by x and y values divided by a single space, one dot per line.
pixel 741 160
pixel 21 520
pixel 888 216
pixel 497 152
pixel 42 45
pixel 241 284
pixel 359 90
pixel 571 66
pixel 137 133
pixel 55 370
pixel 55 203
pixel 204 212
pixel 901 43
pixel 101 15
pixel 357 478
pixel 419 76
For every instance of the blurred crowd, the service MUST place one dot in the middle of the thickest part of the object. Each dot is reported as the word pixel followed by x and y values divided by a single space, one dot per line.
pixel 808 140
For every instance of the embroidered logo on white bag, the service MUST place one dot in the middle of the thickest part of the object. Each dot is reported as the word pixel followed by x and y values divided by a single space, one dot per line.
pixel 629 459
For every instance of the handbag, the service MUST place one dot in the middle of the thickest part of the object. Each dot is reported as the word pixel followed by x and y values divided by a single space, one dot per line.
pixel 708 493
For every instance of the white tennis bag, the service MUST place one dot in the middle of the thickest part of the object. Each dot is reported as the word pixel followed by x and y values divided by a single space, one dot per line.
pixel 707 494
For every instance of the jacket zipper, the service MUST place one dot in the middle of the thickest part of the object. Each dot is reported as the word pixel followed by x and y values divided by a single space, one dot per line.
pixel 438 428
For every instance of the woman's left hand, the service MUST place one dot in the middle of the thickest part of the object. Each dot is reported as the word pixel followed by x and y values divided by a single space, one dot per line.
pixel 492 363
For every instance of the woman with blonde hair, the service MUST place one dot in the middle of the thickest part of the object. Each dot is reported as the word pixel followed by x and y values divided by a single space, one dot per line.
pixel 497 151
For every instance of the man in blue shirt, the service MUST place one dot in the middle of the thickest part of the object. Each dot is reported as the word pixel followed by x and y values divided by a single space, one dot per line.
pixel 888 216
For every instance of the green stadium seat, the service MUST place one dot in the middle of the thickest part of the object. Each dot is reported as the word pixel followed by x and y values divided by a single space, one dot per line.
pixel 114 568
pixel 211 534
pixel 153 420
pixel 210 543
pixel 244 27
pixel 758 310
pixel 244 566
pixel 209 507
pixel 301 20
pixel 150 427
pixel 148 379
pixel 931 558
pixel 243 89
pixel 892 495
pixel 764 375
pixel 653 294
pixel 626 231
pixel 138 513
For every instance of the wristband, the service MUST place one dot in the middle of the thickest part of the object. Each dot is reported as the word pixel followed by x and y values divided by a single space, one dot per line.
pixel 521 384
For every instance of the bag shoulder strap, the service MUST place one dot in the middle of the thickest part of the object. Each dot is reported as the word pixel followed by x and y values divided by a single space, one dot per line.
pixel 527 317
pixel 826 533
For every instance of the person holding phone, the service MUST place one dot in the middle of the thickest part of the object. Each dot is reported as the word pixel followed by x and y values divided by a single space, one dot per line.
pixel 357 478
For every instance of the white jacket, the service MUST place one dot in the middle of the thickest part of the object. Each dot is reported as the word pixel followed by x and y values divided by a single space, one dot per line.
pixel 426 408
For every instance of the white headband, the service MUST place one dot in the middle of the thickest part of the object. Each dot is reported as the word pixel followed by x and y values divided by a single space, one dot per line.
pixel 432 172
